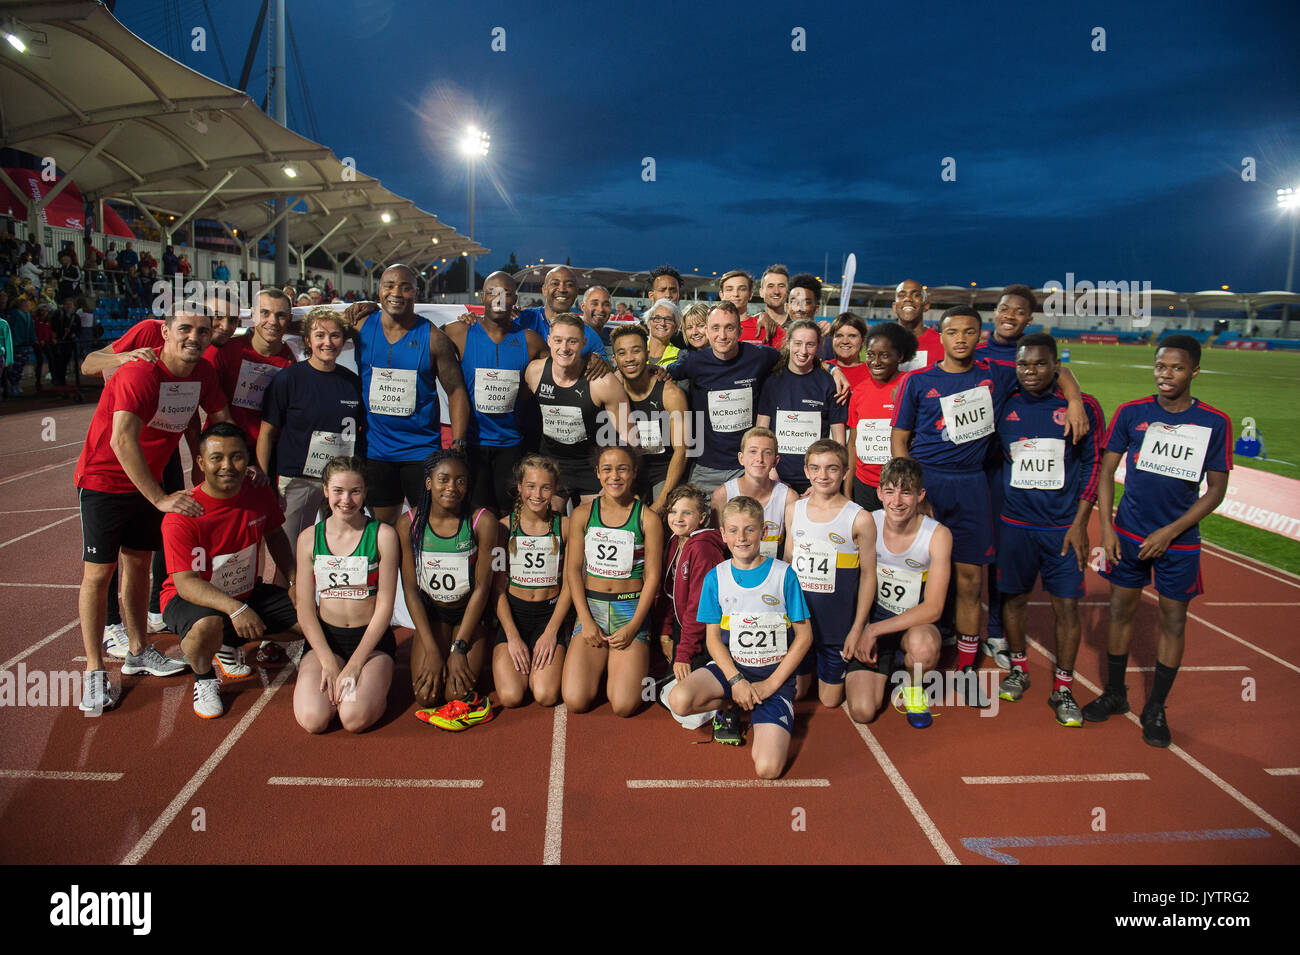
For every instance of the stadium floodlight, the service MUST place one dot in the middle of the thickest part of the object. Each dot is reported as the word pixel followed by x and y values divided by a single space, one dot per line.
pixel 473 146
pixel 385 217
pixel 289 171
pixel 16 42
pixel 1288 198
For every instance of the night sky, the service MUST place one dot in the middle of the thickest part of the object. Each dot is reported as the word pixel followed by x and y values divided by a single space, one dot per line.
pixel 1122 164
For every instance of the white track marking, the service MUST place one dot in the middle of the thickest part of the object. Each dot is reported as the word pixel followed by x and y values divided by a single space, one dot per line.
pixel 60 774
pixel 48 467
pixel 15 540
pixel 48 447
pixel 1082 603
pixel 1068 778
pixel 1191 761
pixel 727 783
pixel 555 789
pixel 1232 636
pixel 1189 669
pixel 201 775
pixel 375 783
pixel 904 791
pixel 50 586
pixel 40 643
pixel 1255 603
pixel 1230 556
pixel 39 510
pixel 1285 771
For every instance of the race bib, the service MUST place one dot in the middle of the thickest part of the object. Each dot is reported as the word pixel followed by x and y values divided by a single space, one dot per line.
pixel 609 552
pixel 898 590
pixel 814 564
pixel 235 574
pixel 535 562
pixel 767 547
pixel 392 391
pixel 254 377
pixel 731 410
pixel 968 415
pixel 323 448
pixel 177 402
pixel 495 390
pixel 873 437
pixel 650 436
pixel 563 423
pixel 757 639
pixel 445 577
pixel 1038 464
pixel 796 430
pixel 1174 450
pixel 341 577
pixel 919 363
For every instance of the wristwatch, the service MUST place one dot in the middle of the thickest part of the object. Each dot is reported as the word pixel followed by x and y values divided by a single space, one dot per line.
pixel 736 679
pixel 460 646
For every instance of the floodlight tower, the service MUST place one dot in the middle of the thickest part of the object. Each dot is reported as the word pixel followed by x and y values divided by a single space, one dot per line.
pixel 473 146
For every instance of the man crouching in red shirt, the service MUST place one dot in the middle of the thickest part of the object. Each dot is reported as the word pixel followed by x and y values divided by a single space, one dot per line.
pixel 213 595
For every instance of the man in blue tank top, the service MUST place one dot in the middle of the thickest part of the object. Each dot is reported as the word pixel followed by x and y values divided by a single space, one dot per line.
pixel 493 355
pixel 402 357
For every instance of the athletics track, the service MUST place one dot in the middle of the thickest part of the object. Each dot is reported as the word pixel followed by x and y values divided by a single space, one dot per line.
pixel 539 785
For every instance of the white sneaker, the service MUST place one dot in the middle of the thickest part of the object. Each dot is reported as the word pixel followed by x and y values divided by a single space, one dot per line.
pixel 156 624
pixel 207 699
pixel 116 643
pixel 153 662
pixel 96 693
pixel 229 664
pixel 999 650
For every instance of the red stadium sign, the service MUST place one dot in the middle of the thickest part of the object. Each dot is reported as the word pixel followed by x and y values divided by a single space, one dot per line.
pixel 1240 344
pixel 1100 339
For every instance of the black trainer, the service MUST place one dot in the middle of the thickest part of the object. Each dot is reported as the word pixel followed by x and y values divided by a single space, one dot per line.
pixel 726 727
pixel 1155 731
pixel 1112 702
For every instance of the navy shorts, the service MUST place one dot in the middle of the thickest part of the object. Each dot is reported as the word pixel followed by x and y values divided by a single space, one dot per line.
pixel 831 616
pixel 777 709
pixel 960 500
pixel 1177 571
pixel 1025 552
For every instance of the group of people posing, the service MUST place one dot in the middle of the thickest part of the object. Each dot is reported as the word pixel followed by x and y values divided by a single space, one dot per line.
pixel 769 501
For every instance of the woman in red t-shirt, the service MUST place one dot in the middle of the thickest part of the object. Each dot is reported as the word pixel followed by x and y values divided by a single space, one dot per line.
pixel 847 335
pixel 872 408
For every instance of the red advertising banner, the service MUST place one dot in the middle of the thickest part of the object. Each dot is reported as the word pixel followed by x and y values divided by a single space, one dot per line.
pixel 1100 339
pixel 1267 501
pixel 1241 344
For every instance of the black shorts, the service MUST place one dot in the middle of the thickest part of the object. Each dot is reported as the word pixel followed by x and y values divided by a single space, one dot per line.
pixel 886 648
pixel 654 470
pixel 866 496
pixel 578 476
pixel 268 601
pixel 531 618
pixel 388 482
pixel 444 613
pixel 700 658
pixel 345 640
pixel 111 521
pixel 492 477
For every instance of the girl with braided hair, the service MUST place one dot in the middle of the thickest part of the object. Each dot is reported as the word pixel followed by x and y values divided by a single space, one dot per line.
pixel 531 596
pixel 447 580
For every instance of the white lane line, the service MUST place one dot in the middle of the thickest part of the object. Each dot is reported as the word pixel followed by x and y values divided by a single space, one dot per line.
pixel 1068 778
pixel 48 467
pixel 1285 771
pixel 201 775
pixel 48 447
pixel 727 783
pixel 1191 761
pixel 1272 572
pixel 40 643
pixel 1232 636
pixel 555 789
pixel 50 586
pixel 1082 603
pixel 375 783
pixel 904 791
pixel 1223 669
pixel 60 774
pixel 39 510
pixel 1252 603
pixel 15 540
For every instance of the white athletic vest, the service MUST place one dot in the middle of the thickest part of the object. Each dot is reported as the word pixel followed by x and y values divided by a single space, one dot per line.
pixel 773 515
pixel 819 548
pixel 900 578
pixel 758 630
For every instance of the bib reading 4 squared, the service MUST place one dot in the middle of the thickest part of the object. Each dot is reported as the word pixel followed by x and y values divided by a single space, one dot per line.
pixel 731 410
pixel 1174 450
pixel 234 574
pixel 177 402
pixel 897 590
pixel 872 442
pixel 495 390
pixel 1038 464
pixel 393 391
pixel 343 577
pixel 443 576
pixel 324 447
pixel 254 377
pixel 536 562
pixel 968 415
pixel 796 430
pixel 756 639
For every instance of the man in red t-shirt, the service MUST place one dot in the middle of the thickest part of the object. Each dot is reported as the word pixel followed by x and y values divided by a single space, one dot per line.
pixel 247 364
pixel 213 596
pixel 910 300
pixel 138 425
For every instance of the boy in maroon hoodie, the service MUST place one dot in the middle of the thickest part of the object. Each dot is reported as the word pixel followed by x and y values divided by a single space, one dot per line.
pixel 693 550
